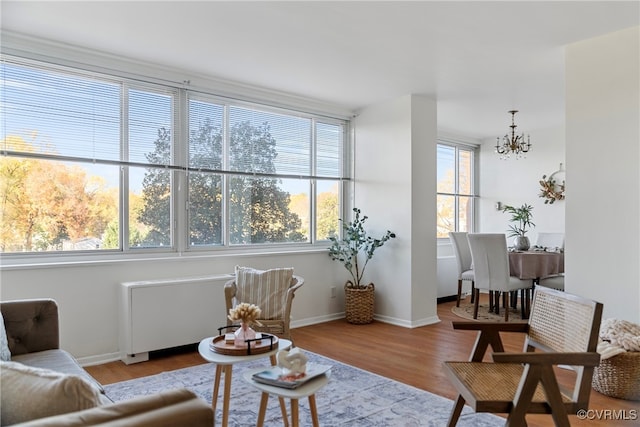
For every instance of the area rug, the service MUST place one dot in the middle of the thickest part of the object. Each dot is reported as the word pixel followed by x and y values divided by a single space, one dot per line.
pixel 466 312
pixel 353 397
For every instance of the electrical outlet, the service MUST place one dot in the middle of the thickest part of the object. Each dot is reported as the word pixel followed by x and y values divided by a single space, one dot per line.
pixel 333 292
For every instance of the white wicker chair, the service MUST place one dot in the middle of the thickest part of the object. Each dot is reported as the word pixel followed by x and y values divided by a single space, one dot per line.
pixel 279 326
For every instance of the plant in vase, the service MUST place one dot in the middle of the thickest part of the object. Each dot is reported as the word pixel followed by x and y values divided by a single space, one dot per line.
pixel 522 221
pixel 354 250
pixel 247 314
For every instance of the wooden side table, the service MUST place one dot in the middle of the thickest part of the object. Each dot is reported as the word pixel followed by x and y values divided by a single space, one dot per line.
pixel 307 389
pixel 224 364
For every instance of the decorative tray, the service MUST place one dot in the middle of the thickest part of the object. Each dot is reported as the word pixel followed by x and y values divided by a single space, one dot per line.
pixel 267 343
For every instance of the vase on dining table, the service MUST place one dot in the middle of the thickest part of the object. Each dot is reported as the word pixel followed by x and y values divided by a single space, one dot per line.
pixel 521 243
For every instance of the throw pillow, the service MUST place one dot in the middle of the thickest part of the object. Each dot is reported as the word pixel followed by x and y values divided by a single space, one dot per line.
pixel 5 353
pixel 28 393
pixel 265 288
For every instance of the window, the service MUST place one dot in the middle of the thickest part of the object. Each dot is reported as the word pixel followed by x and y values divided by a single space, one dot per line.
pixel 455 189
pixel 95 162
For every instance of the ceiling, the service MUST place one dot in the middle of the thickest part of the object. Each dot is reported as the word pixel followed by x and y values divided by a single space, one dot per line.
pixel 478 59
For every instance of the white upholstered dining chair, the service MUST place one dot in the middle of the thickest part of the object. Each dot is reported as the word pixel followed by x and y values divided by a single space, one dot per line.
pixel 550 240
pixel 491 272
pixel 463 261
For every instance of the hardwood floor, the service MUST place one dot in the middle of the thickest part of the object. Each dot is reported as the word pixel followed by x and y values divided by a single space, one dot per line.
pixel 412 356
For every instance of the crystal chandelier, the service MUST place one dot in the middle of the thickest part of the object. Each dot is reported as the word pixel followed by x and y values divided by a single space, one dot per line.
pixel 512 144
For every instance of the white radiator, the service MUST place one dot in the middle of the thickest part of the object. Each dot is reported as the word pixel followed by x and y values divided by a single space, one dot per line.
pixel 447 276
pixel 159 314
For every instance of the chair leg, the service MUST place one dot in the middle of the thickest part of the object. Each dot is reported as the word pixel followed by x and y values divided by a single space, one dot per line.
pixel 456 411
pixel 490 301
pixel 506 310
pixel 459 292
pixel 496 302
pixel 473 294
pixel 475 304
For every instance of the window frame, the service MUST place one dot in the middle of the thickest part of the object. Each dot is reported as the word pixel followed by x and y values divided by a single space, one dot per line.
pixel 474 149
pixel 179 209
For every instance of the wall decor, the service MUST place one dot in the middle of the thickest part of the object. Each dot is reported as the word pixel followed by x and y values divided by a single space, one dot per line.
pixel 552 188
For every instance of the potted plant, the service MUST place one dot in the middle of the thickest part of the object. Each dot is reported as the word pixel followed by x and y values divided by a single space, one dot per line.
pixel 354 250
pixel 522 221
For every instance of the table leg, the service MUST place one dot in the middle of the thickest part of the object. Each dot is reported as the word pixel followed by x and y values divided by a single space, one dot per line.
pixel 283 404
pixel 314 410
pixel 216 388
pixel 227 394
pixel 263 409
pixel 294 413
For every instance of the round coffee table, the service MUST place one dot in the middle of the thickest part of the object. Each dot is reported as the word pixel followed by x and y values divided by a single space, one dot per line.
pixel 307 389
pixel 224 363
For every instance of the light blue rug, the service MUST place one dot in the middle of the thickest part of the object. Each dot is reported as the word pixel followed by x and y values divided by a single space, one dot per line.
pixel 353 397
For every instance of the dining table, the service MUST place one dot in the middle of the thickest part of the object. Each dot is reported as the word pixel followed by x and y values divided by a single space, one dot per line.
pixel 534 265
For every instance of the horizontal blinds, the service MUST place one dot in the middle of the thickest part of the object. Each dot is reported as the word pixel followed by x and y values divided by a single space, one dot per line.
pixel 261 142
pixel 267 142
pixel 70 115
pixel 59 114
pixel 329 149
pixel 206 123
pixel 150 124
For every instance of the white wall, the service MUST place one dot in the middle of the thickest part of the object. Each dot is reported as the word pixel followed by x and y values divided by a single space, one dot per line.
pixel 603 179
pixel 516 181
pixel 88 294
pixel 395 149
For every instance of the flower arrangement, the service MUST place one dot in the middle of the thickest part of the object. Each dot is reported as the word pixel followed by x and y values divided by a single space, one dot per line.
pixel 245 313
pixel 551 190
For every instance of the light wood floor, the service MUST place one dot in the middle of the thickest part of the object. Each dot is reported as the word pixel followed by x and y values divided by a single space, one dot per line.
pixel 412 356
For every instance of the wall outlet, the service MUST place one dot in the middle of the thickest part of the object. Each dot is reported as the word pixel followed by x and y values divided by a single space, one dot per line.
pixel 333 291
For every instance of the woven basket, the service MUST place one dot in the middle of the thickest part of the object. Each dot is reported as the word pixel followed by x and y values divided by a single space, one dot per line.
pixel 359 304
pixel 619 376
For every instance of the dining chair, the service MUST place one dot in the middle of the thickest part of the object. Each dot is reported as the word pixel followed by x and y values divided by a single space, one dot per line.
pixel 272 290
pixel 550 240
pixel 463 261
pixel 491 272
pixel 553 282
pixel 562 330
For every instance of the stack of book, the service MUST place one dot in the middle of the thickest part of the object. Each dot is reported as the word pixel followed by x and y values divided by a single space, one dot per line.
pixel 278 377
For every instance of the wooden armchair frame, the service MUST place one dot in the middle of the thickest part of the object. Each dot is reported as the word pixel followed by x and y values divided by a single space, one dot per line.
pixel 562 330
pixel 279 327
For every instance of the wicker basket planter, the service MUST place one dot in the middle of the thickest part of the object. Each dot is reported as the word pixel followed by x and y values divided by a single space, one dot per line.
pixel 619 376
pixel 359 304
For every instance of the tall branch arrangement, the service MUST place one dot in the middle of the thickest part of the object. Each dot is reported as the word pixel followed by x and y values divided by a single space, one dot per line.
pixel 356 241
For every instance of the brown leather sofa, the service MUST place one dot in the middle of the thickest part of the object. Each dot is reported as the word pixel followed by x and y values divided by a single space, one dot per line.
pixel 33 339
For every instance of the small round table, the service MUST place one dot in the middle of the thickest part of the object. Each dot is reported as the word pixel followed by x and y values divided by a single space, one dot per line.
pixel 224 363
pixel 307 389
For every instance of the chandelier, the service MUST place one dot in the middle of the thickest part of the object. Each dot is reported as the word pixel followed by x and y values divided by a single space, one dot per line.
pixel 512 144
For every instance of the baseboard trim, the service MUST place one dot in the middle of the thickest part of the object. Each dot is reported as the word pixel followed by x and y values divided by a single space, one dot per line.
pixel 446 299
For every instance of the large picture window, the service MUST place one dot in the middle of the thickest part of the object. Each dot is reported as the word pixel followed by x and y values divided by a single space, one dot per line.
pixel 94 162
pixel 455 189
